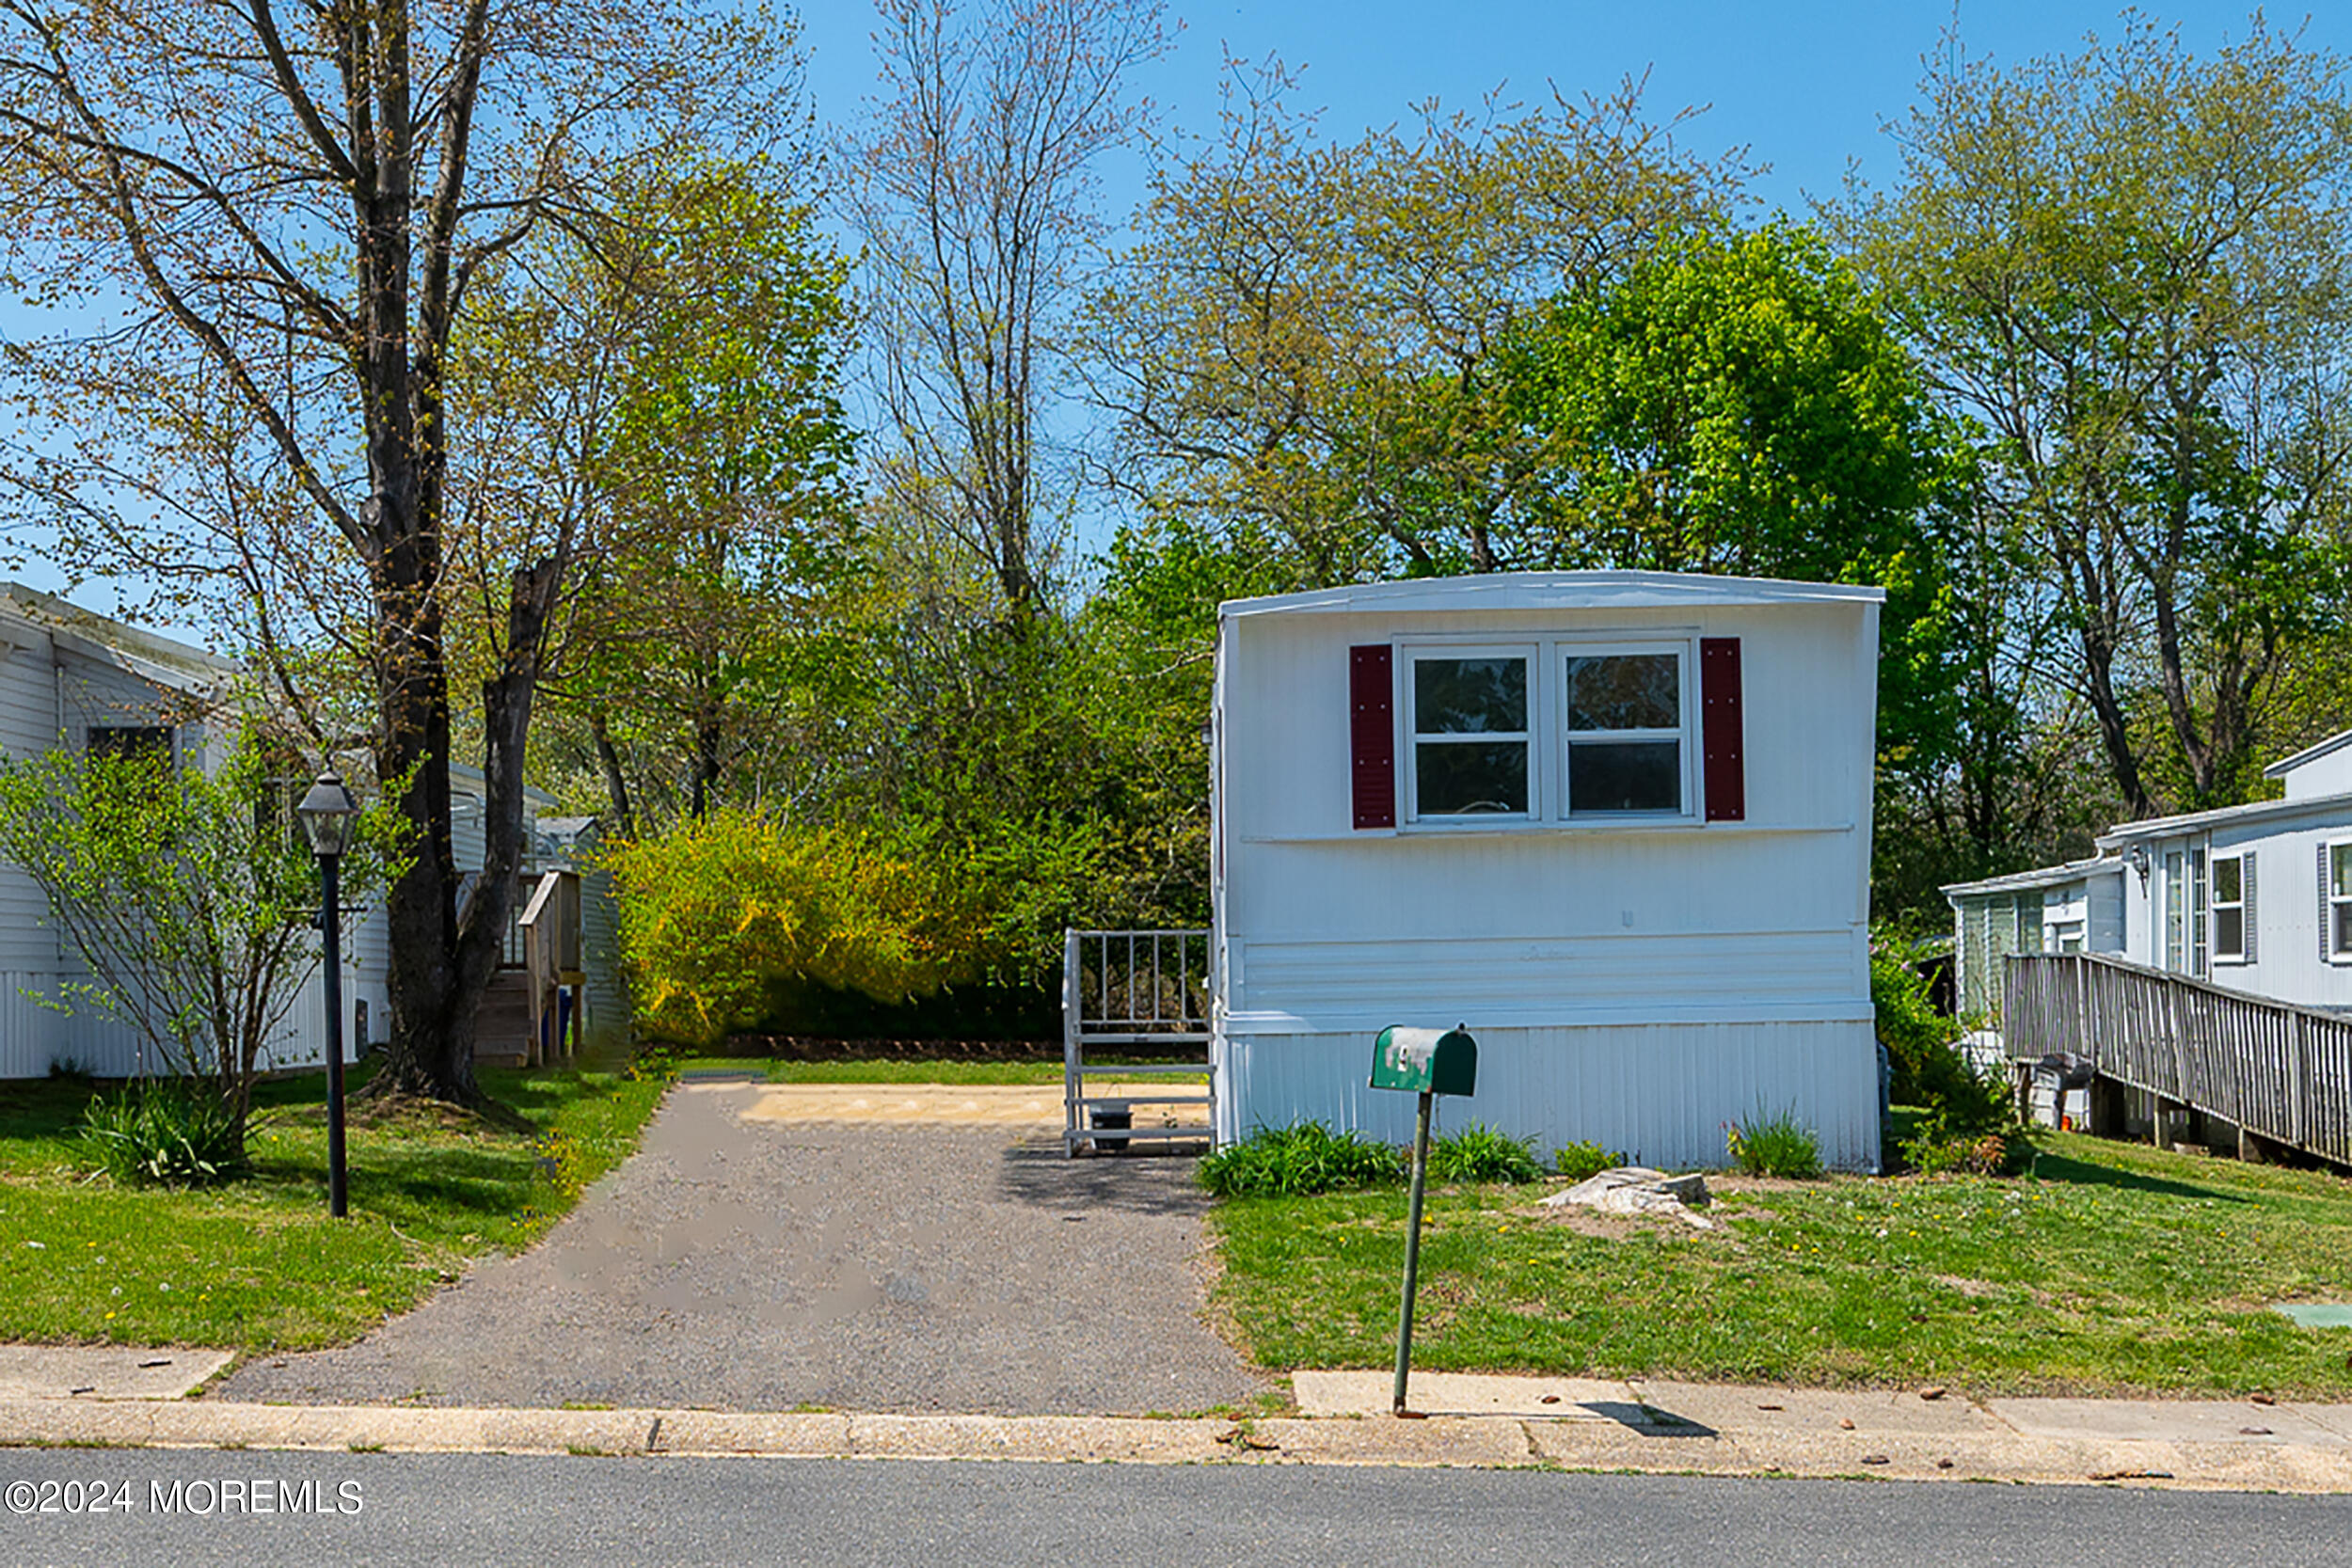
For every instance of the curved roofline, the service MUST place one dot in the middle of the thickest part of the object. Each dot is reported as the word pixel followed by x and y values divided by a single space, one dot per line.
pixel 149 654
pixel 1555 590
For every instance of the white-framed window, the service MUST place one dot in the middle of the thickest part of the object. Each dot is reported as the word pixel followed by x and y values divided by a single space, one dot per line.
pixel 2175 913
pixel 2197 951
pixel 2029 907
pixel 2229 904
pixel 1624 750
pixel 2335 898
pixel 1469 718
pixel 1554 729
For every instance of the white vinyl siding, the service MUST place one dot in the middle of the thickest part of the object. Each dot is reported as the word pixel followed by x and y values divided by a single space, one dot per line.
pixel 1637 975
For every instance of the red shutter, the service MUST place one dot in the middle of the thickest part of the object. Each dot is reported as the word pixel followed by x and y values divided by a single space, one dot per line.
pixel 1721 730
pixel 1371 734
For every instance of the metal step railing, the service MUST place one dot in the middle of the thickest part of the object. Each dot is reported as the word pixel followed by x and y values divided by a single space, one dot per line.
pixel 1140 994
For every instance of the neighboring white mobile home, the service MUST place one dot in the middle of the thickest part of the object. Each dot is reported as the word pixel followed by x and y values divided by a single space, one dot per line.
pixel 1617 823
pixel 2257 899
pixel 75 680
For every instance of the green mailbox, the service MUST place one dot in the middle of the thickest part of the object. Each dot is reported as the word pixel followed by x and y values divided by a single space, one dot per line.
pixel 1426 1061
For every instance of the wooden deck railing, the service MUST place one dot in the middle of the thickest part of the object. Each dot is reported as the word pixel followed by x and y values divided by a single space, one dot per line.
pixel 2280 1072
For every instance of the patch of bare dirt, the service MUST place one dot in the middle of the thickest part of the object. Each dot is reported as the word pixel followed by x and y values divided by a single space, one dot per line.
pixel 405 1113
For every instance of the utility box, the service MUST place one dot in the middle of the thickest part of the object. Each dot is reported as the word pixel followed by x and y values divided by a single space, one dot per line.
pixel 1426 1061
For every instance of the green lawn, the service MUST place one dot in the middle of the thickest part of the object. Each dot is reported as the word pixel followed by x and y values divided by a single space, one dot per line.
pixel 259 1264
pixel 2114 1269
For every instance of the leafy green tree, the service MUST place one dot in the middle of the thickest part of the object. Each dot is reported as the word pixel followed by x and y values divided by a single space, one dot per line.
pixel 1738 405
pixel 700 642
pixel 281 214
pixel 189 897
pixel 2128 269
pixel 1302 341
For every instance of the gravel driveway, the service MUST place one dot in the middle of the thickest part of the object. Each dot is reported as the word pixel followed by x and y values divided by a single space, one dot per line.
pixel 768 1261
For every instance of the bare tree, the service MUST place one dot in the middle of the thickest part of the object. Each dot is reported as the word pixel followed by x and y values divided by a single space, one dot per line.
pixel 973 189
pixel 282 214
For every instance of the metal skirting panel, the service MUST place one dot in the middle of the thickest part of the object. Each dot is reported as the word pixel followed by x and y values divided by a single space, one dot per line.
pixel 33 1037
pixel 96 1044
pixel 27 1030
pixel 1664 1095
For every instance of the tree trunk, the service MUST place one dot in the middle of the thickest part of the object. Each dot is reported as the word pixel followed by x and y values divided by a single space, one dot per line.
pixel 615 781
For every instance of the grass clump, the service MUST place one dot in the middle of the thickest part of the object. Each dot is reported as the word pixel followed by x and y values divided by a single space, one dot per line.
pixel 1481 1153
pixel 1298 1161
pixel 1581 1162
pixel 164 1135
pixel 1776 1143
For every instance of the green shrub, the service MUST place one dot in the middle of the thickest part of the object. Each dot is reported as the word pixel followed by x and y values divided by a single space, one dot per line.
pixel 1934 1152
pixel 165 1133
pixel 1480 1153
pixel 1922 1044
pixel 1578 1161
pixel 1775 1144
pixel 728 919
pixel 715 912
pixel 1293 1162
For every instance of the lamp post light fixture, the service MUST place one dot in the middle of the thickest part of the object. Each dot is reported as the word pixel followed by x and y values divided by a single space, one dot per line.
pixel 327 813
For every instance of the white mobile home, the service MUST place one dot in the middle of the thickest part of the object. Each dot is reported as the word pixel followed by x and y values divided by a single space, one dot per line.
pixel 1618 823
pixel 72 679
pixel 78 681
pixel 2257 898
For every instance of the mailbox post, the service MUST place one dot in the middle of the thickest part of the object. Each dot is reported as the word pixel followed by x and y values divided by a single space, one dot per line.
pixel 1427 1062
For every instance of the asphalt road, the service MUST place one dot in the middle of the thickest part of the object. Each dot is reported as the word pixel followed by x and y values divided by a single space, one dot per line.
pixel 740 1264
pixel 492 1510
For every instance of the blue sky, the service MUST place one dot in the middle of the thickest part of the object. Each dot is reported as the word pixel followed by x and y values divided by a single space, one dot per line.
pixel 1806 88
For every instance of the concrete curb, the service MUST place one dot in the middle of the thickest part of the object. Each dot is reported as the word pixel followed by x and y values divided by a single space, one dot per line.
pixel 1476 1441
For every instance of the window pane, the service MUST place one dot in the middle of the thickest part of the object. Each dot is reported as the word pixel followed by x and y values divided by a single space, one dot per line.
pixel 1473 779
pixel 1624 692
pixel 2340 859
pixel 1470 696
pixel 2225 880
pixel 2229 933
pixel 1625 775
pixel 146 742
pixel 2343 930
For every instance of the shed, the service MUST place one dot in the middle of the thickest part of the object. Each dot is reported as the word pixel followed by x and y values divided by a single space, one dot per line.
pixel 1618 823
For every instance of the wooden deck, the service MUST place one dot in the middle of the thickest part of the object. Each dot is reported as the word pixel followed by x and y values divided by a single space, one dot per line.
pixel 2279 1071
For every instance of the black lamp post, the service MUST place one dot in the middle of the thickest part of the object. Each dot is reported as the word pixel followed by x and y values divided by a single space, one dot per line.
pixel 327 813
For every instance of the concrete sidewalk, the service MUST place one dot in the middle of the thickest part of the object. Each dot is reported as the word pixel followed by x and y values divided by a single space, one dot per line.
pixel 1572 1423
